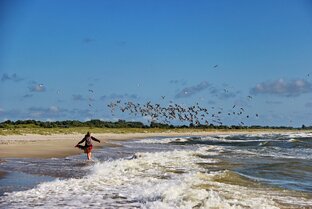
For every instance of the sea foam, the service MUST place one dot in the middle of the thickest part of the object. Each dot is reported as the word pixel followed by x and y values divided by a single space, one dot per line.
pixel 170 179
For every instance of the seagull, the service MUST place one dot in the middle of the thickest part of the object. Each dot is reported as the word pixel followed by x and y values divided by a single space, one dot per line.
pixel 215 66
pixel 90 90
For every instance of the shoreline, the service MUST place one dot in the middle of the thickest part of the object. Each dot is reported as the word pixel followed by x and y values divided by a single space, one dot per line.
pixel 62 145
pixel 220 170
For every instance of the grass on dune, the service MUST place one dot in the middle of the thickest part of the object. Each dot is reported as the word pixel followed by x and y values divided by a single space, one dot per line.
pixel 50 131
pixel 21 127
pixel 82 130
pixel 27 129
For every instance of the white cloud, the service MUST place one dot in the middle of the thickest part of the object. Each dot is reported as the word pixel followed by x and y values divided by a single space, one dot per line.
pixel 34 87
pixel 191 90
pixel 282 87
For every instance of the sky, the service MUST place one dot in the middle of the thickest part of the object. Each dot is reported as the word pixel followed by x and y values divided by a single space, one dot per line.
pixel 67 60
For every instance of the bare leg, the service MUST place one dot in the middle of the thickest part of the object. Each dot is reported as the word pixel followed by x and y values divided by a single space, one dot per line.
pixel 89 155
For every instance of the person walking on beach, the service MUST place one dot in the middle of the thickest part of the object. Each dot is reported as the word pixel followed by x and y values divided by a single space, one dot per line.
pixel 88 144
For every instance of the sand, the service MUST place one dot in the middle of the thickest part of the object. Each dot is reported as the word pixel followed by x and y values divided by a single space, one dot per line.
pixel 48 146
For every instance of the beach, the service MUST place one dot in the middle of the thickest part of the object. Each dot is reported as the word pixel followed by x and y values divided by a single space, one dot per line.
pixel 213 169
pixel 62 145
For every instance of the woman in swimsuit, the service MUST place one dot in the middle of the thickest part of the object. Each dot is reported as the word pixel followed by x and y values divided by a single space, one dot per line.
pixel 88 144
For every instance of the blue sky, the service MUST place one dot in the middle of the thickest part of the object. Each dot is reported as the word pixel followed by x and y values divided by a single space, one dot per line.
pixel 252 54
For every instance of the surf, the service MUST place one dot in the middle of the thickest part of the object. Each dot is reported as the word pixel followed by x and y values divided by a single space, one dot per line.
pixel 172 173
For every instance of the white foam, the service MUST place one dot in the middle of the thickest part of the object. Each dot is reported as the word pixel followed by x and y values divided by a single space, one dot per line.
pixel 294 140
pixel 299 135
pixel 203 139
pixel 171 179
pixel 162 141
pixel 260 137
pixel 288 153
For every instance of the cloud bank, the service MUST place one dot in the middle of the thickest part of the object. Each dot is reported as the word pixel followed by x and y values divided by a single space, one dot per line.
pixel 191 90
pixel 223 93
pixel 283 88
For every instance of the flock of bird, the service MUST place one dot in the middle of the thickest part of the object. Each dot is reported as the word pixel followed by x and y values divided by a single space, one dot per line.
pixel 193 114
pixel 173 113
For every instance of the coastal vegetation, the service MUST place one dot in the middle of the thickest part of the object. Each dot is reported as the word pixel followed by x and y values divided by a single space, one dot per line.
pixel 121 126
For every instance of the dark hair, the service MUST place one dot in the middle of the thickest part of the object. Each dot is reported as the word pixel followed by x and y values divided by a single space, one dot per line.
pixel 88 133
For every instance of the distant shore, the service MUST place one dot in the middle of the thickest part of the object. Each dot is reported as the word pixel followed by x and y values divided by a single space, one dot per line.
pixel 62 145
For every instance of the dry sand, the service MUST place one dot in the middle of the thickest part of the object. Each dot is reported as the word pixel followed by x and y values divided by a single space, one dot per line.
pixel 47 146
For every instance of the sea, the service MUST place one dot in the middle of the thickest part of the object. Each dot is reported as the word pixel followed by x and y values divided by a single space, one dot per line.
pixel 216 171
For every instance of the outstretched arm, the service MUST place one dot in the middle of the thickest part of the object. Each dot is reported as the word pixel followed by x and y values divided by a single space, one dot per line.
pixel 95 139
pixel 82 140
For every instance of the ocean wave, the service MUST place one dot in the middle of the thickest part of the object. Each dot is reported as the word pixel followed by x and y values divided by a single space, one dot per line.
pixel 163 140
pixel 168 179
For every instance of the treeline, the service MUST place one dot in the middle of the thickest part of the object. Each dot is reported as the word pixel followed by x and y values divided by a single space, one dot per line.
pixel 125 124
pixel 72 124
